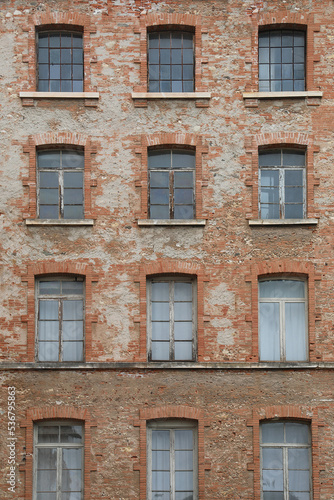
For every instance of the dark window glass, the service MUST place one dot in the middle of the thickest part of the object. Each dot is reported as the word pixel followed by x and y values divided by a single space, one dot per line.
pixel 171 62
pixel 282 184
pixel 60 184
pixel 171 184
pixel 60 62
pixel 281 60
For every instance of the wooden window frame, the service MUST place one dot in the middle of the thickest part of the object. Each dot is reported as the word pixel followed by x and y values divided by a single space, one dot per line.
pixel 172 280
pixel 59 446
pixel 60 298
pixel 282 326
pixel 172 425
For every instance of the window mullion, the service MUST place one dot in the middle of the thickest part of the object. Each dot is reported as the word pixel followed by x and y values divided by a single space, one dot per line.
pixel 285 473
pixel 282 329
pixel 61 194
pixel 171 194
pixel 172 464
pixel 281 192
pixel 171 322
pixel 60 319
pixel 59 472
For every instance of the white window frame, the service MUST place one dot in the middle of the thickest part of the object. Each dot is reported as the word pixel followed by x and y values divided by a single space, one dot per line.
pixel 282 302
pixel 285 447
pixel 172 279
pixel 281 181
pixel 59 446
pixel 60 299
pixel 172 425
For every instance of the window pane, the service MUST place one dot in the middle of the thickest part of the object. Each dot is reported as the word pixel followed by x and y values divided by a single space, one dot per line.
pixel 183 330
pixel 48 180
pixel 299 496
pixel 72 351
pixel 71 434
pixel 73 309
pixel 48 309
pixel 160 311
pixel 72 287
pixel 297 433
pixel 183 351
pixel 160 330
pixel 294 178
pixel 184 460
pixel 183 159
pixel 184 212
pixel 48 330
pixel 184 495
pixel 273 495
pixel 73 180
pixel 270 159
pixel 160 291
pixel 159 212
pixel 73 212
pixel 160 480
pixel 49 196
pixel 294 211
pixel 269 178
pixel 298 458
pixel 282 289
pixel 182 292
pixel 72 330
pixel 160 440
pixel 48 434
pixel 46 480
pixel 183 311
pixel 299 480
pixel 295 332
pixel 184 439
pixel 159 196
pixel 272 432
pixel 72 458
pixel 47 458
pixel 184 179
pixel 183 480
pixel 160 351
pixel 49 287
pixel 73 196
pixel 159 179
pixel 272 458
pixel 71 480
pixel 269 332
pixel 160 460
pixel 272 480
pixel 48 351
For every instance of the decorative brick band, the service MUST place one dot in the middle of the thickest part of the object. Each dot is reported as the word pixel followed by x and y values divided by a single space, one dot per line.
pixel 307 415
pixel 282 139
pixel 283 268
pixel 166 267
pixel 172 412
pixel 281 19
pixel 51 268
pixel 58 139
pixel 53 19
pixel 34 415
pixel 158 20
pixel 169 140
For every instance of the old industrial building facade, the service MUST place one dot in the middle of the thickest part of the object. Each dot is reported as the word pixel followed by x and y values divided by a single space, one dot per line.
pixel 167 250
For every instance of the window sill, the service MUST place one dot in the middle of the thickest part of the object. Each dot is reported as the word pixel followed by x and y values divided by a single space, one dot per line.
pixel 282 95
pixel 171 95
pixel 56 222
pixel 59 95
pixel 283 222
pixel 171 222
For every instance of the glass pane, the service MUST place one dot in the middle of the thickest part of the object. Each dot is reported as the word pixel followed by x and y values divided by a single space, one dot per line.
pixel 48 434
pixel 160 495
pixel 71 496
pixel 183 480
pixel 269 195
pixel 160 351
pixel 287 55
pixel 188 56
pixel 77 72
pixel 159 159
pixel 298 458
pixel 270 159
pixel 183 460
pixel 272 432
pixel 73 309
pixel 43 39
pixel 72 287
pixel 55 74
pixel 47 458
pixel 182 292
pixel 160 311
pixel 46 480
pixel 273 495
pixel 48 309
pixel 282 289
pixel 272 480
pixel 264 72
pixel 264 55
pixel 264 39
pixel 293 177
pixel 187 40
pixel 299 496
pixel 297 433
pixel 165 72
pixel 48 212
pixel 160 292
pixel 71 480
pixel 183 311
pixel 48 351
pixel 55 84
pixel 71 434
pixel 49 196
pixel 183 330
pixel 184 179
pixel 269 211
pixel 54 57
pixel 159 196
pixel 77 56
pixel 184 495
pixel 72 159
pixel 43 71
pixel 153 56
pixel 159 212
pixel 72 351
pixel 66 57
pixel 73 180
pixel 160 440
pixel 184 212
pixel 72 330
pixel 48 330
pixel 73 196
pixel 48 180
pixel 293 194
pixel 294 211
pixel 54 39
pixel 159 179
pixel 49 287
pixel 287 72
pixel 269 178
pixel 183 351
pixel 160 481
pixel 184 439
pixel 160 460
pixel 76 40
pixel 72 458
pixel 295 331
pixel 299 480
pixel 73 212
pixel 275 55
pixel 269 331
pixel 183 196
pixel 160 330
pixel 183 159
pixel 272 458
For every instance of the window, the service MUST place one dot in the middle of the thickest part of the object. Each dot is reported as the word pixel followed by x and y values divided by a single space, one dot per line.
pixel 282 180
pixel 172 460
pixel 281 60
pixel 282 320
pixel 58 461
pixel 286 461
pixel 171 183
pixel 60 61
pixel 60 319
pixel 60 175
pixel 171 61
pixel 171 319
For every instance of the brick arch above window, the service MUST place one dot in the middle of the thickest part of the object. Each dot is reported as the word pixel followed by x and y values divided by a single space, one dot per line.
pixel 58 140
pixel 170 268
pixel 171 412
pixel 285 269
pixel 53 268
pixel 64 21
pixel 285 412
pixel 170 140
pixel 288 140
pixel 63 413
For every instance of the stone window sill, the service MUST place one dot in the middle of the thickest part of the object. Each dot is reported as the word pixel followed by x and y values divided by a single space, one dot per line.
pixel 56 222
pixel 282 95
pixel 283 222
pixel 171 222
pixel 59 95
pixel 171 95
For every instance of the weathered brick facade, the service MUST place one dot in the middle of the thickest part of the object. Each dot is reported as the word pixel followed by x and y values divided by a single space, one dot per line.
pixel 116 249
